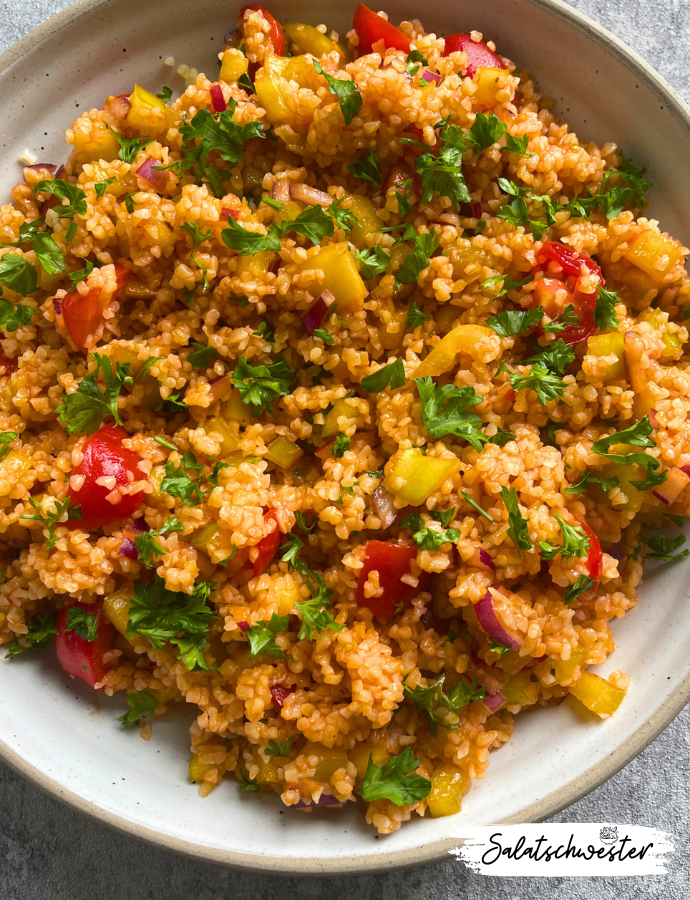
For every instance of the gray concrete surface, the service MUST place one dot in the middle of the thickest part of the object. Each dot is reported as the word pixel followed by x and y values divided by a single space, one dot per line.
pixel 48 852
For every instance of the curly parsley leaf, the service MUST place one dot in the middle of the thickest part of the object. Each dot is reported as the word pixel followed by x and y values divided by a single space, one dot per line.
pixel 442 171
pixel 247 242
pixel 566 318
pixel 545 384
pixel 165 616
pixel 17 274
pixel 518 145
pixel 581 486
pixel 147 545
pixel 392 374
pixel 165 94
pixel 130 147
pixel 341 444
pixel 64 190
pixel 202 355
pixel 514 321
pixel 638 435
pixel 633 177
pixel 575 542
pixel 446 410
pixel 518 528
pixel 508 284
pixel 430 539
pixel 324 334
pixel 314 612
pixel 11 317
pixel 374 261
pixel 312 222
pixel 662 548
pixel 557 356
pixel 485 131
pixel 142 703
pixel 367 168
pixel 605 311
pixel 6 439
pixel 502 437
pixel 216 132
pixel 82 622
pixel 482 512
pixel 413 61
pixel 581 584
pixel 344 218
pixel 279 748
pixel 246 783
pixel 262 637
pixel 52 517
pixel 415 316
pixel 349 97
pixel 415 262
pixel 260 385
pixel 39 636
pixel 86 408
pixel 178 483
pixel 440 708
pixel 394 782
pixel 81 274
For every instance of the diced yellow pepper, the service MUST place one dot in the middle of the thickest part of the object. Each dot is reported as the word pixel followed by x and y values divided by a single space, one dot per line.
pixel 654 254
pixel 230 440
pixel 564 669
pixel 269 90
pixel 330 759
pixel 284 452
pixel 216 542
pixel 308 39
pixel 448 786
pixel 597 694
pixel 236 410
pixel 233 66
pixel 608 345
pixel 303 73
pixel 672 342
pixel 414 477
pixel 367 221
pixel 480 343
pixel 361 753
pixel 147 113
pixel 268 772
pixel 625 474
pixel 340 275
pixel 520 689
pixel 489 82
pixel 463 254
pixel 289 212
pixel 197 770
pixel 392 335
pixel 341 408
pixel 255 265
pixel 116 608
pixel 100 143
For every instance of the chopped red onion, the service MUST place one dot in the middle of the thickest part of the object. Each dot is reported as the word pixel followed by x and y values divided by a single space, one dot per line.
pixel 490 623
pixel 60 171
pixel 324 800
pixel 57 309
pixel 310 195
pixel 139 525
pixel 616 551
pixel 384 507
pixel 120 105
pixel 128 549
pixel 37 167
pixel 653 421
pixel 477 210
pixel 428 75
pixel 494 702
pixel 314 317
pixel 243 626
pixel 486 560
pixel 217 98
pixel 156 177
pixel 281 190
pixel 671 489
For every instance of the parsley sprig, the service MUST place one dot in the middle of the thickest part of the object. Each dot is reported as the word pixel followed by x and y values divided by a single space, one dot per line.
pixel 394 782
pixel 39 636
pixel 84 410
pixel 51 518
pixel 446 410
pixel 141 703
pixel 349 98
pixel 260 385
pixel 518 527
pixel 575 542
pixel 440 708
pixel 147 544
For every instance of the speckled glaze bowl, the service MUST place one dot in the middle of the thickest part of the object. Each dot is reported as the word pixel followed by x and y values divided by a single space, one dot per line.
pixel 60 735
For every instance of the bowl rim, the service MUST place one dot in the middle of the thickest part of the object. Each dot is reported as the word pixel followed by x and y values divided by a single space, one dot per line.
pixel 437 850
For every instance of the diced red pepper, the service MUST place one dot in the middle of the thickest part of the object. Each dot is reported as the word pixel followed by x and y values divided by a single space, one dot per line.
pixel 392 562
pixel 279 694
pixel 563 268
pixel 79 657
pixel 9 365
pixel 371 28
pixel 217 98
pixel 594 560
pixel 275 31
pixel 105 455
pixel 83 313
pixel 268 546
pixel 478 53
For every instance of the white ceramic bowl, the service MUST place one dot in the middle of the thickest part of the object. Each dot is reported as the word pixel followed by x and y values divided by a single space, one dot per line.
pixel 49 729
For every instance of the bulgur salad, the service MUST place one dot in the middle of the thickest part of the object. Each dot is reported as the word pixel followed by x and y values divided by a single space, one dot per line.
pixel 342 398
